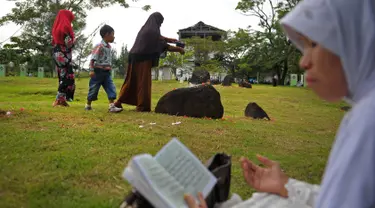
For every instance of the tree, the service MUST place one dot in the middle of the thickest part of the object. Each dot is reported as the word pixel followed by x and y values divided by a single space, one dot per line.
pixel 7 55
pixel 213 66
pixel 83 50
pixel 236 46
pixel 204 49
pixel 122 60
pixel 274 50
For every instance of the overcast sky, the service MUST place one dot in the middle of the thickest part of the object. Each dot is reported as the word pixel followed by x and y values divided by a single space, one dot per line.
pixel 177 14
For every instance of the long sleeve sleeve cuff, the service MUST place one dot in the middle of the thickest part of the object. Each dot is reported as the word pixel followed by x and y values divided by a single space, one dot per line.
pixel 301 192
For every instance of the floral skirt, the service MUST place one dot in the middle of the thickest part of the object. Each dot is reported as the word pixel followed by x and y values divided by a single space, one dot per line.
pixel 66 87
pixel 65 74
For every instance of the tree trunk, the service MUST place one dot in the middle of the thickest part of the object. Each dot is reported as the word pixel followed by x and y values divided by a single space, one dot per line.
pixel 277 69
pixel 174 72
pixel 156 73
pixel 285 72
pixel 248 76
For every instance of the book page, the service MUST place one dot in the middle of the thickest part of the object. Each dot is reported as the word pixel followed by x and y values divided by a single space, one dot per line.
pixel 160 180
pixel 186 168
pixel 141 185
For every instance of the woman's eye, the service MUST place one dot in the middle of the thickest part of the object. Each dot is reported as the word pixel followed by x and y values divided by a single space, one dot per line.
pixel 313 44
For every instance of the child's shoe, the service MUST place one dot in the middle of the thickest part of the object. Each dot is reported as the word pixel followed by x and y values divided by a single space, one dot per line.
pixel 60 102
pixel 88 107
pixel 63 103
pixel 55 103
pixel 113 109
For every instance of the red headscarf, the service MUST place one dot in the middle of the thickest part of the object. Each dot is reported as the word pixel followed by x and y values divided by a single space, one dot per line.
pixel 62 26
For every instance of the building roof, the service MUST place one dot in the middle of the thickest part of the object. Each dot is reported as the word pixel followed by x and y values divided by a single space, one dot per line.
pixel 201 27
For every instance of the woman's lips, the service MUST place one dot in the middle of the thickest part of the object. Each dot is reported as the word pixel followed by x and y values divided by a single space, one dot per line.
pixel 310 79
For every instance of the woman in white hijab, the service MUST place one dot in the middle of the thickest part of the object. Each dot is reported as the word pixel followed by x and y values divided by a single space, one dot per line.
pixel 337 38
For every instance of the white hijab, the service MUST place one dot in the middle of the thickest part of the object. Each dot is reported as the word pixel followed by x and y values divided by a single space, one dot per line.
pixel 346 28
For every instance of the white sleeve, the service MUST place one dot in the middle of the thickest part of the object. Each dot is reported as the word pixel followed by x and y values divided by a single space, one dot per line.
pixel 302 193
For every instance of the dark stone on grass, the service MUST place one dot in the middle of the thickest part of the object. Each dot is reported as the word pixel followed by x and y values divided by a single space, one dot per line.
pixel 274 82
pixel 200 76
pixel 215 82
pixel 228 80
pixel 199 102
pixel 253 110
pixel 2 113
pixel 346 108
pixel 244 84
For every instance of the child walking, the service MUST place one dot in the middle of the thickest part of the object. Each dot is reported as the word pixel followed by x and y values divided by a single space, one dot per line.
pixel 100 70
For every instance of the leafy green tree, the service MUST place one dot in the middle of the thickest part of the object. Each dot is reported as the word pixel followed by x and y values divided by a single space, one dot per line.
pixel 204 49
pixel 236 46
pixel 123 60
pixel 272 52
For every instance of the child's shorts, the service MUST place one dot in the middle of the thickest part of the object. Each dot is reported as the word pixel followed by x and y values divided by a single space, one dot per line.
pixel 101 78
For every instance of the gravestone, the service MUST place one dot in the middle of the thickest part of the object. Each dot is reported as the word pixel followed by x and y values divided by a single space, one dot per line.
pixel 54 73
pixel 2 70
pixel 23 70
pixel 245 84
pixel 40 72
pixel 304 80
pixel 253 110
pixel 228 80
pixel 199 76
pixel 199 101
pixel 346 108
pixel 160 75
pixel 293 79
pixel 113 73
pixel 274 81
pixel 215 82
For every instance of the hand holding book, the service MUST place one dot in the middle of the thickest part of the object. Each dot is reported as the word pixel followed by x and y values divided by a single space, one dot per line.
pixel 191 202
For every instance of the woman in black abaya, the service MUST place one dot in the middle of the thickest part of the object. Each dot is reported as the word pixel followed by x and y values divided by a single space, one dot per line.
pixel 144 55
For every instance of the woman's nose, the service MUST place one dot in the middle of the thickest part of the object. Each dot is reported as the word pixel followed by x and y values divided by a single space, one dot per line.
pixel 305 62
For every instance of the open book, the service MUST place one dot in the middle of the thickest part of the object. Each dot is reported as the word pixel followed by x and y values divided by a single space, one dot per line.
pixel 164 179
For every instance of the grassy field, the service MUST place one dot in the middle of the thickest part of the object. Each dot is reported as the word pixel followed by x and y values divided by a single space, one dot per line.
pixel 67 157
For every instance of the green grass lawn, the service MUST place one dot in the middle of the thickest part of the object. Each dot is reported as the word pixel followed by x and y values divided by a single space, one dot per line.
pixel 67 157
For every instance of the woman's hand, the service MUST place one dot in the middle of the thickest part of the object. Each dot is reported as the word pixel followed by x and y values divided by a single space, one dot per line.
pixel 171 40
pixel 270 179
pixel 190 201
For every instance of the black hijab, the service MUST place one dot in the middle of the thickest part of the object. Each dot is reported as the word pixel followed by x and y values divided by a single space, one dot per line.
pixel 148 41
